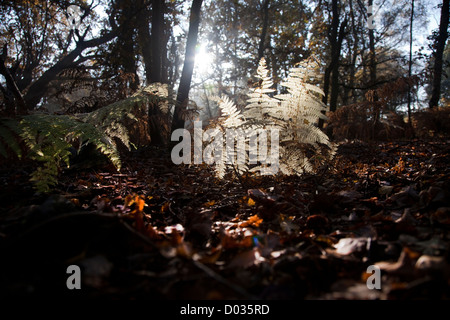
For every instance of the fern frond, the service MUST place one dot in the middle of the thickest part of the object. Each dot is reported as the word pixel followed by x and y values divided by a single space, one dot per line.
pixel 111 118
pixel 295 114
pixel 49 139
pixel 260 106
pixel 158 93
pixel 231 115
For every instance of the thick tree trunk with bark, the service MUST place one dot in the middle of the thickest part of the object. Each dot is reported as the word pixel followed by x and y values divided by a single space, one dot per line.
pixel 144 38
pixel 188 67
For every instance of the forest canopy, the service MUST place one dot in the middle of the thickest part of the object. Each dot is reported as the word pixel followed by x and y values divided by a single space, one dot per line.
pixel 76 56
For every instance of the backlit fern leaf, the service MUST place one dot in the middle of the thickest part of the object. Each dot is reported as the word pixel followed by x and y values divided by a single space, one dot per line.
pixel 110 119
pixel 49 139
pixel 303 146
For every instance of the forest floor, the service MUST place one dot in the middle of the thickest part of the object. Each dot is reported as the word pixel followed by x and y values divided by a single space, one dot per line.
pixel 161 231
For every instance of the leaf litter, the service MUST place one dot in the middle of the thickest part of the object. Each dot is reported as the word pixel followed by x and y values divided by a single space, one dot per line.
pixel 161 231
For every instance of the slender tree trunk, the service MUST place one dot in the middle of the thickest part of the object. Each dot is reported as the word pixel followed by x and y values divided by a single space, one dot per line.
pixel 188 67
pixel 326 83
pixel 410 60
pixel 372 54
pixel 354 53
pixel 440 46
pixel 157 27
pixel 332 37
pixel 262 39
pixel 373 78
pixel 335 71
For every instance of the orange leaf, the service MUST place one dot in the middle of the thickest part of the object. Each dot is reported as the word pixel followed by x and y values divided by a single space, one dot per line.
pixel 165 207
pixel 140 204
pixel 129 200
pixel 210 203
pixel 253 221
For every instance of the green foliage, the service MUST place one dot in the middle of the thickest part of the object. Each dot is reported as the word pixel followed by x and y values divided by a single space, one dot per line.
pixel 110 119
pixel 49 138
pixel 303 146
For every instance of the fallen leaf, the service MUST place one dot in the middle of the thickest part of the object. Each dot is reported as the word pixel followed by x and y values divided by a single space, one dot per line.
pixel 165 207
pixel 404 266
pixel 209 203
pixel 247 259
pixel 346 246
pixel 429 264
pixel 253 221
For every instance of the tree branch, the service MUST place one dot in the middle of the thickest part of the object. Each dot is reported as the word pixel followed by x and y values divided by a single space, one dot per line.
pixel 39 87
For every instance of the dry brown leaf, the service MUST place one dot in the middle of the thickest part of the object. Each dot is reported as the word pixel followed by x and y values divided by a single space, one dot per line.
pixel 247 259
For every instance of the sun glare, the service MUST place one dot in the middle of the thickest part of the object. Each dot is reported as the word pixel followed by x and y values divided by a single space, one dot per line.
pixel 203 61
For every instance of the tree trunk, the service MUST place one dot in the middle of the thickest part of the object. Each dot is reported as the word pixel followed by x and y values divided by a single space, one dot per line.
pixel 335 36
pixel 440 46
pixel 127 53
pixel 144 37
pixel 354 56
pixel 410 60
pixel 335 71
pixel 262 39
pixel 188 67
pixel 15 102
pixel 372 54
pixel 153 68
pixel 157 27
